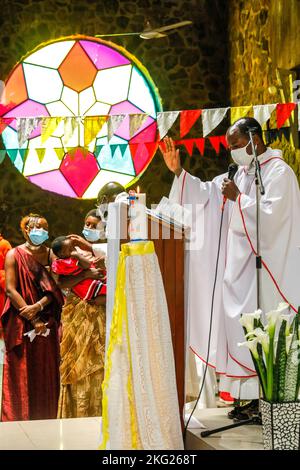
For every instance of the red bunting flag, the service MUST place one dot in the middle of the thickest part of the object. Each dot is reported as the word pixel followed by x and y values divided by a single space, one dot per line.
pixel 4 122
pixel 133 149
pixel 215 142
pixel 188 119
pixel 151 147
pixel 189 145
pixel 224 141
pixel 283 112
pixel 200 143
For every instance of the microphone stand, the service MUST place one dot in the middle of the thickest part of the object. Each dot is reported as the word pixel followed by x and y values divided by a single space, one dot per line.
pixel 260 191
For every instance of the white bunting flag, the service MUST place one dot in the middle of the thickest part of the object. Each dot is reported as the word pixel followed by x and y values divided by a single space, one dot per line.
pixel 211 118
pixel 25 126
pixel 71 124
pixel 165 121
pixel 135 122
pixel 262 113
pixel 113 124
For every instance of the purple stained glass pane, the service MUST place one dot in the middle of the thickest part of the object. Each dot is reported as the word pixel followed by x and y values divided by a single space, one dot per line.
pixel 102 56
pixel 128 108
pixel 28 109
pixel 53 181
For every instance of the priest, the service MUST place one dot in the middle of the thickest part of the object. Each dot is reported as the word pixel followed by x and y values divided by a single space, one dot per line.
pixel 236 286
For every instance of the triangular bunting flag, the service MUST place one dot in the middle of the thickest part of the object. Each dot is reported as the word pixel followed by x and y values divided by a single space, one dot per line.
pixel 40 153
pixel 284 132
pixel 60 153
pixel 71 151
pixel 165 121
pixel 70 125
pixel 4 122
pixel 215 142
pixel 25 127
pixel 262 113
pixel 135 123
pixel 188 143
pixel 23 153
pixel 133 149
pixel 151 147
pixel 223 141
pixel 13 153
pixel 239 112
pixel 188 119
pixel 92 127
pixel 113 124
pixel 2 155
pixel 211 118
pixel 97 150
pixel 284 111
pixel 49 125
pixel 200 144
pixel 113 149
pixel 271 135
pixel 123 148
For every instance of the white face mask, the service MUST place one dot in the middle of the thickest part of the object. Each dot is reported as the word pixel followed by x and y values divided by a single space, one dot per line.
pixel 241 157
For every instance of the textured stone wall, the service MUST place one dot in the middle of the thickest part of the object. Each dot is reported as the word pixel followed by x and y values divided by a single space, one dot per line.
pixel 260 33
pixel 189 68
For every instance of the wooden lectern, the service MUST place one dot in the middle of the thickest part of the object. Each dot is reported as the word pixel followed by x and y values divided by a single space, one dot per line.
pixel 169 246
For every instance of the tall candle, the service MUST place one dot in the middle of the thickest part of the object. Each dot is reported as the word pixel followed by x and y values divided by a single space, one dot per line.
pixel 141 196
pixel 138 225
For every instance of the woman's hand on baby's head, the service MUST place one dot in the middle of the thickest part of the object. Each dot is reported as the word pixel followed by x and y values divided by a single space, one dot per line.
pixel 99 262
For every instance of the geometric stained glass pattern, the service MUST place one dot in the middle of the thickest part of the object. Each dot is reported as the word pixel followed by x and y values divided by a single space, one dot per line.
pixel 80 76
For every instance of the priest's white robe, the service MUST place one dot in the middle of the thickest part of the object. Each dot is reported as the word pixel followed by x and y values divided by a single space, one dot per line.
pixel 236 283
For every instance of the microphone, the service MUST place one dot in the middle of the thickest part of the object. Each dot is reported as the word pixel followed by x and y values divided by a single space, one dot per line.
pixel 232 169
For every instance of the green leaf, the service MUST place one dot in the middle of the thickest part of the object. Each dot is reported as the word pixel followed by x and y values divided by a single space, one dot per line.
pixel 291 373
pixel 280 364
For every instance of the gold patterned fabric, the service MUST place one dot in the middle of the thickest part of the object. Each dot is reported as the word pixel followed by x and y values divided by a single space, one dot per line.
pixel 82 359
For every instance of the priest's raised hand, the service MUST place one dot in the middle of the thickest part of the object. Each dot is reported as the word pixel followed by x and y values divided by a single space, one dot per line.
pixel 171 155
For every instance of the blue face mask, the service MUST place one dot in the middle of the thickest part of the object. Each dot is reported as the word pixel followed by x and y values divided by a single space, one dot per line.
pixel 38 236
pixel 91 235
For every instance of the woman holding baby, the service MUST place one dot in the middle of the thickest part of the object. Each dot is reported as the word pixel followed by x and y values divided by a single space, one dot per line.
pixel 83 276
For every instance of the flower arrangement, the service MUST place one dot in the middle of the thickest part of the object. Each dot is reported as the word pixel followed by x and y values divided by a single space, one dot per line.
pixel 275 350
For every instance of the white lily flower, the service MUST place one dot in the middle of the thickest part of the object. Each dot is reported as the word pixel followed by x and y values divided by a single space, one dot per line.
pixel 263 338
pixel 251 345
pixel 247 319
pixel 274 315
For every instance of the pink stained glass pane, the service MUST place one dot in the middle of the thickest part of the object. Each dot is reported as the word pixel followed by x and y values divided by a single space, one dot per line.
pixel 127 108
pixel 102 56
pixel 28 109
pixel 79 170
pixel 53 181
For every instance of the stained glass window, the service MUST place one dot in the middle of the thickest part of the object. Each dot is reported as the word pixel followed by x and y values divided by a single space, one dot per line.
pixel 77 77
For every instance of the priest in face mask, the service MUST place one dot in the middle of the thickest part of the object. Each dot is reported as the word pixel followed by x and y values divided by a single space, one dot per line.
pixel 235 285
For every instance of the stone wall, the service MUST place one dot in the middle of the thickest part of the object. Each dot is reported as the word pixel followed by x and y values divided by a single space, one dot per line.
pixel 189 68
pixel 260 32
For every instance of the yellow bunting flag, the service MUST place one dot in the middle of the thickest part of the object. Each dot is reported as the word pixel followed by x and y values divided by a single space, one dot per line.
pixel 41 154
pixel 60 153
pixel 92 126
pixel 49 125
pixel 239 112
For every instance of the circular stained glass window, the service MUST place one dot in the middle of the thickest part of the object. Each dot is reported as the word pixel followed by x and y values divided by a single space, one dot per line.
pixel 80 77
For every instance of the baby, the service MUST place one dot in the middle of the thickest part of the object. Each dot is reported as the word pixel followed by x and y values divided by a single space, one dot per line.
pixel 70 262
